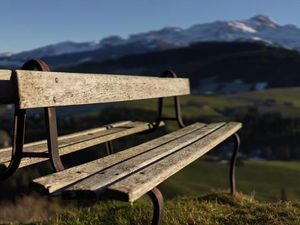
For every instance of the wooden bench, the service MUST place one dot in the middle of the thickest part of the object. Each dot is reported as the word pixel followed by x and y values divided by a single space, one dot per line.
pixel 126 175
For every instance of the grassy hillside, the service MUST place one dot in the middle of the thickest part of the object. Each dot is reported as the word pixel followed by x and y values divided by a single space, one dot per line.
pixel 190 204
pixel 210 209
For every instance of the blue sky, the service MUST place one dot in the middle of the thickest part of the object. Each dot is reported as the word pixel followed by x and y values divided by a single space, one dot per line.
pixel 27 24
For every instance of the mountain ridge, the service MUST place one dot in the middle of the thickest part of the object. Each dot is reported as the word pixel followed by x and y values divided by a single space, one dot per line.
pixel 259 28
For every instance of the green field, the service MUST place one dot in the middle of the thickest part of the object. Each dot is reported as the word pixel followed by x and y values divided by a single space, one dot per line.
pixel 285 101
pixel 265 180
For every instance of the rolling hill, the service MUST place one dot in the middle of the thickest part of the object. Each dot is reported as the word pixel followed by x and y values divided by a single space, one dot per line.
pixel 213 67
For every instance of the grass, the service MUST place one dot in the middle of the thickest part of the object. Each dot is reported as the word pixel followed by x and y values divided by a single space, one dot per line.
pixel 187 199
pixel 281 95
pixel 216 208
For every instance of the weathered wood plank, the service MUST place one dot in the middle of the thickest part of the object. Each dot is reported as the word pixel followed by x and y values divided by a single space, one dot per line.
pixel 7 88
pixel 56 181
pixel 136 185
pixel 81 140
pixel 110 175
pixel 43 89
pixel 41 146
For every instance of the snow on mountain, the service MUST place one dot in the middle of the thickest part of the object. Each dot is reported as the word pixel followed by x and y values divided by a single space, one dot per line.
pixel 6 54
pixel 254 28
pixel 112 41
pixel 258 28
pixel 61 48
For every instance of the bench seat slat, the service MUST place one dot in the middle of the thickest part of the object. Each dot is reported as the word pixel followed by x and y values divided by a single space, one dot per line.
pixel 43 89
pixel 54 182
pixel 136 185
pixel 110 175
pixel 40 146
pixel 79 140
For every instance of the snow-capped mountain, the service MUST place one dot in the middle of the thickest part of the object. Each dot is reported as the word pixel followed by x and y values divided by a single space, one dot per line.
pixel 6 54
pixel 61 48
pixel 258 28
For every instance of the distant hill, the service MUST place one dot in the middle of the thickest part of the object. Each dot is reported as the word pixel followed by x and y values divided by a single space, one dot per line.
pixel 212 66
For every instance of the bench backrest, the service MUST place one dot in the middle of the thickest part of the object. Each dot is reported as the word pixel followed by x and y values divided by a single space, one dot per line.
pixel 46 89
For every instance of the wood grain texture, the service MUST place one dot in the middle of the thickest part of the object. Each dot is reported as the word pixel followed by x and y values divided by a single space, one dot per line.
pixel 110 175
pixel 138 184
pixel 44 89
pixel 56 181
pixel 7 88
pixel 65 140
pixel 79 140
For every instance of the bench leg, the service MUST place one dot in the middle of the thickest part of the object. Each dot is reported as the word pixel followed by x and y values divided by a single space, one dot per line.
pixel 109 148
pixel 50 117
pixel 233 163
pixel 17 150
pixel 158 204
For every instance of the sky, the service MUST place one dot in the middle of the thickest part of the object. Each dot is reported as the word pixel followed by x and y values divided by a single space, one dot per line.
pixel 28 24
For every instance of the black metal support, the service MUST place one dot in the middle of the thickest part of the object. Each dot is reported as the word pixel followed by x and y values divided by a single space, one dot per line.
pixel 19 132
pixel 109 147
pixel 17 145
pixel 233 163
pixel 19 127
pixel 51 126
pixel 158 204
pixel 178 115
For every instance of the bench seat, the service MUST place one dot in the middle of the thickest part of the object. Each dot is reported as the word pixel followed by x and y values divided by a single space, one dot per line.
pixel 78 141
pixel 129 174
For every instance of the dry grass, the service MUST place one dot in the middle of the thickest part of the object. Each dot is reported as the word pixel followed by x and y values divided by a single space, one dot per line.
pixel 28 209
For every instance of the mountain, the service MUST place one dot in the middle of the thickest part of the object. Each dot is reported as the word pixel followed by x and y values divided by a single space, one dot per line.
pixel 69 54
pixel 66 47
pixel 213 67
pixel 259 28
pixel 58 49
